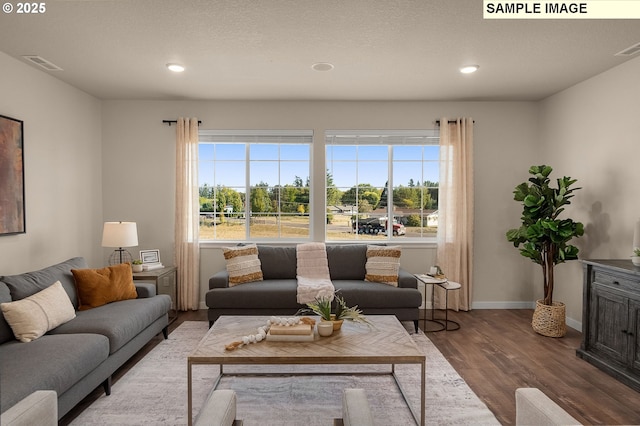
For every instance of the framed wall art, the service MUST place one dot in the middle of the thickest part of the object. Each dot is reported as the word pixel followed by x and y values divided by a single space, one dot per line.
pixel 12 216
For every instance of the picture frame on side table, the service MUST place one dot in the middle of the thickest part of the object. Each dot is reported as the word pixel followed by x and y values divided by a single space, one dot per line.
pixel 150 256
pixel 12 193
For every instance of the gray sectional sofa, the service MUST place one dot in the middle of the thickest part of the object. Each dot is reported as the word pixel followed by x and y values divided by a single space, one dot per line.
pixel 82 354
pixel 276 294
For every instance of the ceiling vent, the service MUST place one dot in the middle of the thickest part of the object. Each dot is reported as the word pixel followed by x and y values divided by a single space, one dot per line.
pixel 631 50
pixel 42 63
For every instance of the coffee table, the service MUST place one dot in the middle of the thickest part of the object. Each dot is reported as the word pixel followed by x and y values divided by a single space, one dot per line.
pixel 386 342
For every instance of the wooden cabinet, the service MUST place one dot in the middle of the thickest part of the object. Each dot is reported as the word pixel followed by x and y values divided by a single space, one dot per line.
pixel 611 319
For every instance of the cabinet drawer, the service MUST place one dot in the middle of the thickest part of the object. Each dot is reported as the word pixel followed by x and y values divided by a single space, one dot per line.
pixel 615 281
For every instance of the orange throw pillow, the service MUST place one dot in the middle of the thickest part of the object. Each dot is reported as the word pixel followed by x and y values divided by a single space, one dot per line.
pixel 97 287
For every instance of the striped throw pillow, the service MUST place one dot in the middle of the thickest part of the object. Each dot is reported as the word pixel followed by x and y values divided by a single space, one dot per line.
pixel 243 264
pixel 383 263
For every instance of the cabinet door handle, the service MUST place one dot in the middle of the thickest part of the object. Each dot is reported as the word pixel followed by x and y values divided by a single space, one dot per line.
pixel 616 282
pixel 625 331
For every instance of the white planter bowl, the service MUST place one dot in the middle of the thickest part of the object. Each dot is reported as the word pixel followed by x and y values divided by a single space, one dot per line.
pixel 635 260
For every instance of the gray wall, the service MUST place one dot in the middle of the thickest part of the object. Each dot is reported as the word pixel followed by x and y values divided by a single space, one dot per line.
pixel 138 163
pixel 591 132
pixel 63 179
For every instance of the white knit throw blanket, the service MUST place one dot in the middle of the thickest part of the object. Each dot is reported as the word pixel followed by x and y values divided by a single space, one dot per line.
pixel 313 273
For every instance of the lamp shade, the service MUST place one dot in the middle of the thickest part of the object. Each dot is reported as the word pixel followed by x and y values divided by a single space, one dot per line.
pixel 119 234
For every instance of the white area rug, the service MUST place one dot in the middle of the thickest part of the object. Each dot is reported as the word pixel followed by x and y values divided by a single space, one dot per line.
pixel 154 391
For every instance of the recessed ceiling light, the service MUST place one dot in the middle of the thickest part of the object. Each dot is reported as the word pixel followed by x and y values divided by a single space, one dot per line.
pixel 468 69
pixel 322 66
pixel 175 67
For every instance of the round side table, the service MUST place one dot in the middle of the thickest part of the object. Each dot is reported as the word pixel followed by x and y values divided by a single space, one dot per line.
pixel 449 286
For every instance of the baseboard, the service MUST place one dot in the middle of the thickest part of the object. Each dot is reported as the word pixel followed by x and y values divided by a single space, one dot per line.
pixel 503 305
pixel 576 325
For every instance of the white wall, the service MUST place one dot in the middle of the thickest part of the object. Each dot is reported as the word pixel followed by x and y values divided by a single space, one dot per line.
pixel 591 132
pixel 62 143
pixel 138 164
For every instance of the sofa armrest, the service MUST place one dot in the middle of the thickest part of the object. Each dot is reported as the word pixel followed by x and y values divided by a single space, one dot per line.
pixel 219 280
pixel 533 407
pixel 145 289
pixel 39 408
pixel 406 279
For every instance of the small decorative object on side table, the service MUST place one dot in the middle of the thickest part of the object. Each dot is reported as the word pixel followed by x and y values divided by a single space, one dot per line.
pixel 136 265
pixel 635 259
pixel 165 281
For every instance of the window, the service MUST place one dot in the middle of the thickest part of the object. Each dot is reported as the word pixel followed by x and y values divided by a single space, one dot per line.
pixel 254 184
pixel 382 185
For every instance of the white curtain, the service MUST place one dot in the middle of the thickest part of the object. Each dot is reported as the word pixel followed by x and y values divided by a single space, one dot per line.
pixel 187 251
pixel 455 210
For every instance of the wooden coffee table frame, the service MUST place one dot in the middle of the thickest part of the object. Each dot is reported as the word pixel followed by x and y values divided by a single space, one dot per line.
pixel 386 342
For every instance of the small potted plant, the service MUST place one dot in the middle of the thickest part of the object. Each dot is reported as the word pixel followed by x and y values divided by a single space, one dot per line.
pixel 136 265
pixel 636 256
pixel 322 306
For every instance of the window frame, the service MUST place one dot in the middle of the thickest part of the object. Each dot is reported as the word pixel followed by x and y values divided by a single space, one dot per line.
pixel 389 139
pixel 250 138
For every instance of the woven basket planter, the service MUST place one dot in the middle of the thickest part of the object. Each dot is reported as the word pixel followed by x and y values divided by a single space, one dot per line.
pixel 549 320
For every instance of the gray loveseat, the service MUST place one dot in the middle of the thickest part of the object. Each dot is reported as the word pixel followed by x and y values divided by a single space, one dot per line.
pixel 276 294
pixel 80 355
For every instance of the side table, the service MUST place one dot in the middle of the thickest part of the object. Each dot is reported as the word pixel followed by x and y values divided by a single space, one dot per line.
pixel 429 280
pixel 165 280
pixel 447 286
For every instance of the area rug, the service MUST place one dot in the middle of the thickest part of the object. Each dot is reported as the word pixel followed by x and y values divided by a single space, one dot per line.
pixel 154 391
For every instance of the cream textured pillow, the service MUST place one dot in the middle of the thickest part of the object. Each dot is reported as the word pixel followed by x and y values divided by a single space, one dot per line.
pixel 243 264
pixel 383 263
pixel 33 316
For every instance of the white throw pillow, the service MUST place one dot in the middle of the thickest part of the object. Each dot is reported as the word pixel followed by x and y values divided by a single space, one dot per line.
pixel 383 264
pixel 33 316
pixel 243 264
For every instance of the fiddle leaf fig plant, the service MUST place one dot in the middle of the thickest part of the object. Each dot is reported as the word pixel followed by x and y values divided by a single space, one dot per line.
pixel 543 237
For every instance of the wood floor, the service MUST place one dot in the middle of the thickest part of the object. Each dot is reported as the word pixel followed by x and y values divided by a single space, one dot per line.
pixel 496 352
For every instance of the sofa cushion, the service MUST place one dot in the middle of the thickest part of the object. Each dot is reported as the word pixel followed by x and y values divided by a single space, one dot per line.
pixel 29 283
pixel 377 295
pixel 281 294
pixel 6 334
pixel 383 264
pixel 48 363
pixel 119 322
pixel 277 262
pixel 97 287
pixel 346 261
pixel 275 294
pixel 243 264
pixel 33 316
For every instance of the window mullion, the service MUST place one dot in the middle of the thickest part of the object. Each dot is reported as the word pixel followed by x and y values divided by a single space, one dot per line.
pixel 390 193
pixel 247 191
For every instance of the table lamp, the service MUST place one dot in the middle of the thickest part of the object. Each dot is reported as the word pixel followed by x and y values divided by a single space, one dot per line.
pixel 120 234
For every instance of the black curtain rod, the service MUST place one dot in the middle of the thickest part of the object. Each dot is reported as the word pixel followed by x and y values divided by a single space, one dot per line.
pixel 451 122
pixel 170 122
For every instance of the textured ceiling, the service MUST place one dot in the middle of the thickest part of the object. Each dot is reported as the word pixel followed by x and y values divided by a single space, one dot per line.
pixel 250 49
